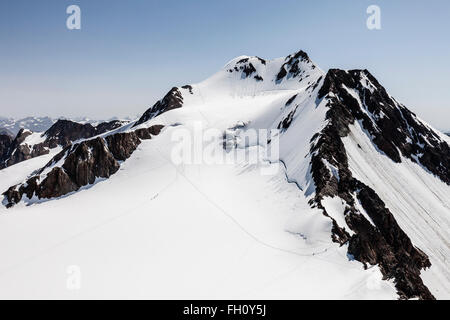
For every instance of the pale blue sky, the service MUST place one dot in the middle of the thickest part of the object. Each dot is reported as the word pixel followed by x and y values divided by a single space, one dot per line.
pixel 130 53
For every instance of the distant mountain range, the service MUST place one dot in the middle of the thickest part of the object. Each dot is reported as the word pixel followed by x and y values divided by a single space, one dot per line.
pixel 12 126
pixel 4 131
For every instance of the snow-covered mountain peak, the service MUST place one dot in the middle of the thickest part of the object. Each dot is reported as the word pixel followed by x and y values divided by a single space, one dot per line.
pixel 297 65
pixel 291 72
pixel 369 178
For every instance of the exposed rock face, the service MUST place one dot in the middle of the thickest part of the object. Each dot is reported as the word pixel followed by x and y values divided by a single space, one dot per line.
pixel 122 145
pixel 388 245
pixel 286 122
pixel 18 152
pixel 188 87
pixel 109 126
pixel 88 160
pixel 56 184
pixel 172 100
pixel 391 127
pixel 147 133
pixel 291 99
pixel 62 133
pixel 292 67
pixel 5 144
pixel 79 165
pixel 247 68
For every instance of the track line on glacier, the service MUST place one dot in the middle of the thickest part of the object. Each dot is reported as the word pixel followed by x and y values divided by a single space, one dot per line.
pixel 317 254
pixel 214 204
pixel 132 211
pixel 88 230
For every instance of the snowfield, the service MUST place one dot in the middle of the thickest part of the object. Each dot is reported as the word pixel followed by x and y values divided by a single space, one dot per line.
pixel 192 232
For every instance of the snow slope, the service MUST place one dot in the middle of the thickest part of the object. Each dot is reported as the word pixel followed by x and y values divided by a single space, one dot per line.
pixel 214 241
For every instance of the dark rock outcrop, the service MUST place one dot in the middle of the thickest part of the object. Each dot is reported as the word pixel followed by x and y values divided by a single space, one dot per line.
pixel 89 160
pixel 172 100
pixel 122 145
pixel 291 99
pixel 291 68
pixel 286 122
pixel 247 69
pixel 56 184
pixel 64 132
pixel 387 245
pixel 147 133
pixel 18 152
pixel 188 87
pixel 79 165
pixel 5 144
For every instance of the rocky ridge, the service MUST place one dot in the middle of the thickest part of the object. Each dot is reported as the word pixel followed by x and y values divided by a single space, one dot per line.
pixel 78 165
pixel 61 133
pixel 172 100
pixel 355 96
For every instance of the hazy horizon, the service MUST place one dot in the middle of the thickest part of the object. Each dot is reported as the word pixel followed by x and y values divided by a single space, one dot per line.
pixel 128 55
